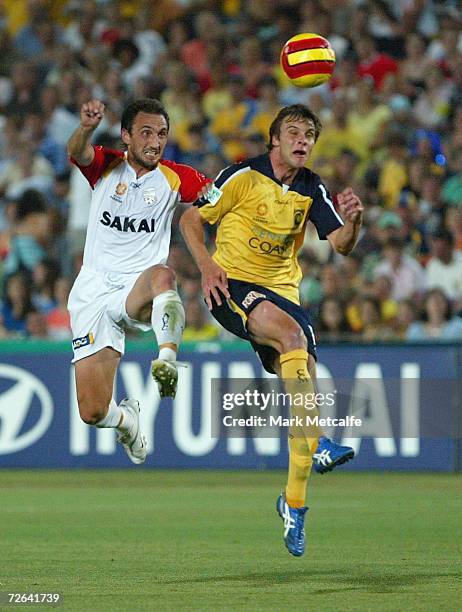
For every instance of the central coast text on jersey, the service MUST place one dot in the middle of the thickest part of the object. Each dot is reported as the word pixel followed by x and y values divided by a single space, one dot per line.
pixel 127 224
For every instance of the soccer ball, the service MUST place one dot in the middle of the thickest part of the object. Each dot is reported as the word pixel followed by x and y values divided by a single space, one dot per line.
pixel 308 60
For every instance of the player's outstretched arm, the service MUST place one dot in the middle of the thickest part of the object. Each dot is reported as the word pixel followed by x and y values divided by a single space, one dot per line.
pixel 79 144
pixel 344 238
pixel 213 277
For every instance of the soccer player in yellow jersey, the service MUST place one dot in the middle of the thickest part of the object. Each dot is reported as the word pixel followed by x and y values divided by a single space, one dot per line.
pixel 251 282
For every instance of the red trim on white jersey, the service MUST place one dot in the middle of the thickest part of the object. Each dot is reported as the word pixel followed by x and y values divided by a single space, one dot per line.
pixel 101 161
pixel 191 181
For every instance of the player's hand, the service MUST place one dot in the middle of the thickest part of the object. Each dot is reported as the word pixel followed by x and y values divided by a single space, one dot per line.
pixel 91 114
pixel 351 207
pixel 214 279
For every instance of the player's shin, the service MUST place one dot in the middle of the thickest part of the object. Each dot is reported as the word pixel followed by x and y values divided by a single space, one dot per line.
pixel 168 320
pixel 304 431
pixel 300 462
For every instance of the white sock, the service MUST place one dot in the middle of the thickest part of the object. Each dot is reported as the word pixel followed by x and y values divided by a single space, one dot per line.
pixel 167 353
pixel 113 416
pixel 168 322
pixel 127 420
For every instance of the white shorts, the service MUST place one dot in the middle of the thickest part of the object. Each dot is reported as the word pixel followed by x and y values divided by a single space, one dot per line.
pixel 98 313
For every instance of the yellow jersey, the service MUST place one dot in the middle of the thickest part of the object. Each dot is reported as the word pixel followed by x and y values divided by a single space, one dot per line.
pixel 262 223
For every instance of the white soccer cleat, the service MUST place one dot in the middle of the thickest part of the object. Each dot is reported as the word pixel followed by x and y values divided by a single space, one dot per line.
pixel 165 374
pixel 133 440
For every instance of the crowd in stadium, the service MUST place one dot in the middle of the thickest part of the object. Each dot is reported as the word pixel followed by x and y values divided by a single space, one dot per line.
pixel 392 129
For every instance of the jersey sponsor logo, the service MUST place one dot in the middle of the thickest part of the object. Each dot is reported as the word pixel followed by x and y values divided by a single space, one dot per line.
pixel 149 196
pixel 262 210
pixel 268 247
pixel 127 224
pixel 251 297
pixel 83 341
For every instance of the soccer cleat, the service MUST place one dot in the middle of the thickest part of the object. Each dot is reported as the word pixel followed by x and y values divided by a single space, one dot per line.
pixel 165 374
pixel 329 454
pixel 294 521
pixel 133 440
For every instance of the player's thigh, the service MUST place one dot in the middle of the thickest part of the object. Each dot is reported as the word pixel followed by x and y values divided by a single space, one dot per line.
pixel 150 283
pixel 270 325
pixel 94 378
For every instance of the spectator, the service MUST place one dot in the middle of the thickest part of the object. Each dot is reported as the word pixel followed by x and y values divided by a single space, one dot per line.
pixel 16 304
pixel 268 106
pixel 373 328
pixel 34 133
pixel 44 277
pixel 332 323
pixel 372 63
pixel 393 175
pixel 416 63
pixel 437 324
pixel 444 270
pixel 129 62
pixel 405 317
pixel 432 105
pixel 36 325
pixel 381 290
pixel 337 135
pixel 25 170
pixel 231 124
pixel 406 275
pixel 31 234
pixel 368 114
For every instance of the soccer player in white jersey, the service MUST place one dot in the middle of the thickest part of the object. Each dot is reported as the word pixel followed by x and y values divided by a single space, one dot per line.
pixel 124 280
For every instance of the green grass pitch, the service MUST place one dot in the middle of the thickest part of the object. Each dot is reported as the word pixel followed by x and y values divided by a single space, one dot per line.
pixel 200 540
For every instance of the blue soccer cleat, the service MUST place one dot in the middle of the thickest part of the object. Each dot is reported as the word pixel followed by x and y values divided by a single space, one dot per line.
pixel 294 521
pixel 329 454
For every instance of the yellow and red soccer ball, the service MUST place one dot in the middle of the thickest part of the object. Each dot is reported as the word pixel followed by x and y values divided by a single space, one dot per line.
pixel 307 60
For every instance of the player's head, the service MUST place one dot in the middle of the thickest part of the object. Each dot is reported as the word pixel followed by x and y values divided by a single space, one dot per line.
pixel 293 133
pixel 145 124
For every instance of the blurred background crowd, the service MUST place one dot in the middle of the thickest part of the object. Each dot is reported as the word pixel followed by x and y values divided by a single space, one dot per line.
pixel 392 129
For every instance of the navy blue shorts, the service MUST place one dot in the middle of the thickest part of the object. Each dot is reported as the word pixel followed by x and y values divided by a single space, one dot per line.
pixel 233 313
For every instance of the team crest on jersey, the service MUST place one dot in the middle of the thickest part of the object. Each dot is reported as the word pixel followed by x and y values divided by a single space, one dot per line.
pixel 298 217
pixel 121 189
pixel 149 196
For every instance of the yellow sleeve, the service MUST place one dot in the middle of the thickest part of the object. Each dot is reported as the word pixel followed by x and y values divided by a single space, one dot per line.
pixel 234 183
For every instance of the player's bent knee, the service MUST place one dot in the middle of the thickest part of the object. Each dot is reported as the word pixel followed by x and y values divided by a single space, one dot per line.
pixel 92 416
pixel 92 410
pixel 294 338
pixel 163 278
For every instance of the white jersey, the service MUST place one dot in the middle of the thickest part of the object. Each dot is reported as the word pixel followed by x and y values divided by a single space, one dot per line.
pixel 130 218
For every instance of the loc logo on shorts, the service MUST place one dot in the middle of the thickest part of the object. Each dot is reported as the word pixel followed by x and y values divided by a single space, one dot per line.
pixel 251 297
pixel 83 341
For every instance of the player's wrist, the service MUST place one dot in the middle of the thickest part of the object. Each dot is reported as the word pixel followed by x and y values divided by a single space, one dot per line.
pixel 87 129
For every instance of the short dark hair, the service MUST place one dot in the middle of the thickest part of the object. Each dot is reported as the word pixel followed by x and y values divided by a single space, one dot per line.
pixel 295 111
pixel 30 202
pixel 142 105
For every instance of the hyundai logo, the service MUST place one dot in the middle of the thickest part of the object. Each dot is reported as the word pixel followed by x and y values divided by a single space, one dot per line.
pixel 16 402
